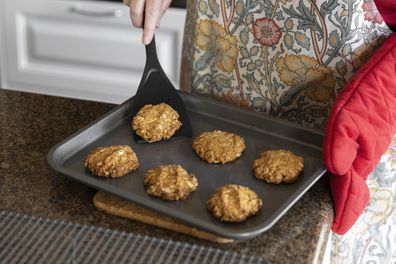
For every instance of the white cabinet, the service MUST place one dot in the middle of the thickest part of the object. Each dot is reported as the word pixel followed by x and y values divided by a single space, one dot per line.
pixel 81 49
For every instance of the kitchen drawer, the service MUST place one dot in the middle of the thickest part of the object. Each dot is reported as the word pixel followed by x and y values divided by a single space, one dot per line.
pixel 81 49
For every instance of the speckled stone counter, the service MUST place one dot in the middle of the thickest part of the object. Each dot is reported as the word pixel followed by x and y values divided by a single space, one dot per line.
pixel 31 124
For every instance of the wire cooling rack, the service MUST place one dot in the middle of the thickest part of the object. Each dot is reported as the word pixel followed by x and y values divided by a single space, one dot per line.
pixel 31 239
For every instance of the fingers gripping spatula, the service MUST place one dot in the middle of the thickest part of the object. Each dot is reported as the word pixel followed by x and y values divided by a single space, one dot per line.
pixel 156 88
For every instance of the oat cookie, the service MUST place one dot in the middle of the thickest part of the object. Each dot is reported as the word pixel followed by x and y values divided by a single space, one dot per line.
pixel 218 146
pixel 276 166
pixel 234 203
pixel 156 122
pixel 170 182
pixel 112 161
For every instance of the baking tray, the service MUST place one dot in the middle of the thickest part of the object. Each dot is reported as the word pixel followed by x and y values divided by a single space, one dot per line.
pixel 260 133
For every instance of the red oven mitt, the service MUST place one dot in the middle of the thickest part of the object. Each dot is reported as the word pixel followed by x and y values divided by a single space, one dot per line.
pixel 361 125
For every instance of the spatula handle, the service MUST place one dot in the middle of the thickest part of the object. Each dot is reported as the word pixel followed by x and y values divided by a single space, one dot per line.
pixel 151 55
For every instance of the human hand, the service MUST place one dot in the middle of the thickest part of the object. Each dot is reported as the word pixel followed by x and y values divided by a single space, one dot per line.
pixel 148 12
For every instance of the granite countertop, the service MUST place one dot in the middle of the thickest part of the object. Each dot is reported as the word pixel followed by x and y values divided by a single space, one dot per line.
pixel 31 124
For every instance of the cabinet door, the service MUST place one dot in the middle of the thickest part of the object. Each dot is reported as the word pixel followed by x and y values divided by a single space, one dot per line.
pixel 81 49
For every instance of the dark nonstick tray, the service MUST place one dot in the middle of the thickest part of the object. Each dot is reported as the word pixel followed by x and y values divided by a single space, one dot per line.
pixel 260 133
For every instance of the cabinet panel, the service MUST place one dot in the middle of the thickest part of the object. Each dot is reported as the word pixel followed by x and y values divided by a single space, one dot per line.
pixel 82 49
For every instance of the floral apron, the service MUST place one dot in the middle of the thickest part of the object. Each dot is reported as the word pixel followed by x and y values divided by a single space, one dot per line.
pixel 286 58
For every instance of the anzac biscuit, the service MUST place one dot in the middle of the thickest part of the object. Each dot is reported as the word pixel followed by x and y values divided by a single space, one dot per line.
pixel 156 122
pixel 170 182
pixel 113 161
pixel 276 166
pixel 218 146
pixel 234 203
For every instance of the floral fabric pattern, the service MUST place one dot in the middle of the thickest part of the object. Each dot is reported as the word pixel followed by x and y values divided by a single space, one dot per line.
pixel 218 45
pixel 266 32
pixel 370 12
pixel 285 58
pixel 303 70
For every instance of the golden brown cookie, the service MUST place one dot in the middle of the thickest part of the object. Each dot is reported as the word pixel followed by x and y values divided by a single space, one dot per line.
pixel 113 161
pixel 234 203
pixel 156 122
pixel 276 166
pixel 170 182
pixel 218 146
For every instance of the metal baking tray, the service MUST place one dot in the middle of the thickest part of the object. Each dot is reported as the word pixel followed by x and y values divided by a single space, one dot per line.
pixel 260 133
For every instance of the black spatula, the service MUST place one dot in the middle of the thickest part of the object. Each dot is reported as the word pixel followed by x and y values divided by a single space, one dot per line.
pixel 155 88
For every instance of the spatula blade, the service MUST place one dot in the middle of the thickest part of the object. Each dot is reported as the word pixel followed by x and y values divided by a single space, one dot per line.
pixel 156 88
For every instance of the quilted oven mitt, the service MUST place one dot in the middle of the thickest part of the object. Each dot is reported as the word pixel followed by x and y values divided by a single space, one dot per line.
pixel 361 125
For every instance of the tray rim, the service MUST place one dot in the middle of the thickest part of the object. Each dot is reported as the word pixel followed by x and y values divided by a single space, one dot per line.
pixel 187 219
